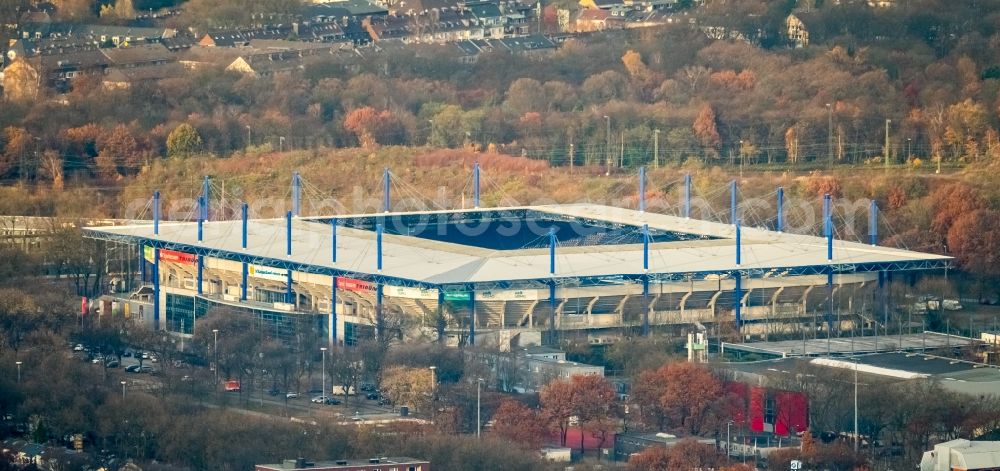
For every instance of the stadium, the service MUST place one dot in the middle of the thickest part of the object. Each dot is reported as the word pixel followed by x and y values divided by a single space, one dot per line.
pixel 491 276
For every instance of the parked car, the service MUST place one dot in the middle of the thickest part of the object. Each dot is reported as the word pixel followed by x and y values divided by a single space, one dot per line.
pixel 325 400
pixel 132 369
pixel 111 364
pixel 291 395
pixel 78 347
pixel 373 396
pixel 147 369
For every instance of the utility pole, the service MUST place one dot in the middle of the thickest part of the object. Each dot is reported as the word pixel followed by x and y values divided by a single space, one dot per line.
pixel 607 146
pixel 656 148
pixel 887 149
pixel 829 133
pixel 621 156
pixel 479 409
pixel 571 157
pixel 857 439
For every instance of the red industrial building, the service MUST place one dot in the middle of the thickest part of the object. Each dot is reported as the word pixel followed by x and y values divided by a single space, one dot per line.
pixel 770 410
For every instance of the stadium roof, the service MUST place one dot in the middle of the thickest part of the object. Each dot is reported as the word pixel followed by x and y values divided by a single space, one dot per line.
pixel 421 261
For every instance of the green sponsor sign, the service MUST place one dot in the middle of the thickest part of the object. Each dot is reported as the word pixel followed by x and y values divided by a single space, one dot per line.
pixel 457 296
pixel 147 253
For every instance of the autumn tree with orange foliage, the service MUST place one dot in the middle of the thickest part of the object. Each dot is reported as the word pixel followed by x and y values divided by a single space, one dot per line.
pixel 687 454
pixel 677 395
pixel 951 202
pixel 373 127
pixel 16 142
pixel 707 132
pixel 516 422
pixel 974 241
pixel 590 398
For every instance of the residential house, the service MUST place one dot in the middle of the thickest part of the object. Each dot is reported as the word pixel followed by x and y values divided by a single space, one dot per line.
pixel 418 6
pixel 355 32
pixel 122 78
pixel 271 57
pixel 533 45
pixel 242 37
pixel 264 65
pixel 354 10
pixel 518 18
pixel 99 34
pixel 197 57
pixel 592 19
pixel 326 32
pixel 469 50
pixel 28 76
pixel 601 4
pixel 180 42
pixel 25 48
pixel 489 17
pixel 389 27
pixel 145 55
pixel 795 29
pixel 58 70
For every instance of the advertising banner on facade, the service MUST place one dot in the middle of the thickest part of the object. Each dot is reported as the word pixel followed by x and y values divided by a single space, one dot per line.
pixel 350 284
pixel 267 273
pixel 410 293
pixel 457 296
pixel 178 257
pixel 147 253
pixel 512 295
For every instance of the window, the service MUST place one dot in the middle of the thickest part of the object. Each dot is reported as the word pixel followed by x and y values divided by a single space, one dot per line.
pixel 769 409
pixel 180 313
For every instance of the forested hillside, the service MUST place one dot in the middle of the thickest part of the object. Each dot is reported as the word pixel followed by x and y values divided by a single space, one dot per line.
pixel 923 75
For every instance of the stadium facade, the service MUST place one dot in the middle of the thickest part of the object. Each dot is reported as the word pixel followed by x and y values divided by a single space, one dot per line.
pixel 494 275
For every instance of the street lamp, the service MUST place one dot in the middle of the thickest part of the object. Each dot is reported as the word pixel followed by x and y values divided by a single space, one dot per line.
pixel 18 363
pixel 323 349
pixel 741 158
pixel 433 381
pixel 123 390
pixel 607 146
pixel 656 148
pixel 829 133
pixel 888 150
pixel 249 140
pixel 479 409
pixel 215 352
pixel 281 143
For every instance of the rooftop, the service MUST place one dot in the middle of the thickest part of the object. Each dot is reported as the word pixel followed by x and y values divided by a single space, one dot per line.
pixel 957 375
pixel 853 345
pixel 415 252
